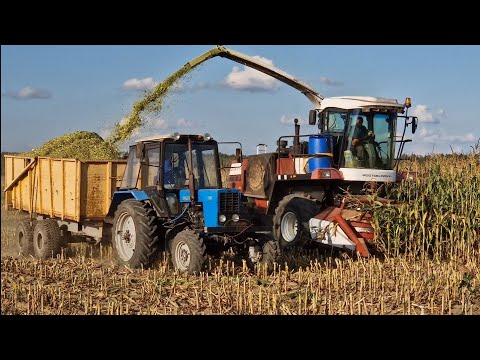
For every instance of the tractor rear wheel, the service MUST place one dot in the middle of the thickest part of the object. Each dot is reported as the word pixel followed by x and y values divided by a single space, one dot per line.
pixel 47 239
pixel 135 235
pixel 290 223
pixel 188 252
pixel 24 238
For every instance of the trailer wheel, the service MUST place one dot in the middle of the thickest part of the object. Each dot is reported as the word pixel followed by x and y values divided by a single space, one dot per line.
pixel 135 235
pixel 290 222
pixel 271 254
pixel 47 239
pixel 24 238
pixel 188 252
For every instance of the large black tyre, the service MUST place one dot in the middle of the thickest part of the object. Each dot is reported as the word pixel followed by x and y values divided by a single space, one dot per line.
pixel 24 238
pixel 135 234
pixel 47 239
pixel 290 222
pixel 188 252
pixel 271 254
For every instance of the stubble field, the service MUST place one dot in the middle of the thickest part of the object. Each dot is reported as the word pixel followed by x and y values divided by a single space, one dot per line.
pixel 426 262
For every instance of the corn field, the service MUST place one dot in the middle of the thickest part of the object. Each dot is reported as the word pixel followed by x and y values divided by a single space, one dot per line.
pixel 439 212
pixel 426 262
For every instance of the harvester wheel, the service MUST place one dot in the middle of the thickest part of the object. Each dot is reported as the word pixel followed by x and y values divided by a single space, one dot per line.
pixel 47 239
pixel 290 222
pixel 271 254
pixel 24 238
pixel 135 235
pixel 188 252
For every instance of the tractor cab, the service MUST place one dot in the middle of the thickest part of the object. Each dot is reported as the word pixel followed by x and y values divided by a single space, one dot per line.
pixel 180 176
pixel 163 162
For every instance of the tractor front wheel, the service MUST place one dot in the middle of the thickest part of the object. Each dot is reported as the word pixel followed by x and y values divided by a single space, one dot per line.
pixel 188 252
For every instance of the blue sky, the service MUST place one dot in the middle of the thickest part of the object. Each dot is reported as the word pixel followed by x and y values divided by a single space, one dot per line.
pixel 48 91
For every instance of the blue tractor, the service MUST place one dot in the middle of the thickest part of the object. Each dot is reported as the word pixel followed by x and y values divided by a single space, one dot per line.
pixel 171 197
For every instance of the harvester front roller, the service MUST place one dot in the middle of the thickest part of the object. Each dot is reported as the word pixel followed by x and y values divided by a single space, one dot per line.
pixel 343 228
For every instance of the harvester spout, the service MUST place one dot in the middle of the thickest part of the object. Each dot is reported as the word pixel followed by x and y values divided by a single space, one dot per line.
pixel 311 94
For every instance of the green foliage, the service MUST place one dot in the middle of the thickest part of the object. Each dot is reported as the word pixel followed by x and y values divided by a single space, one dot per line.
pixel 83 145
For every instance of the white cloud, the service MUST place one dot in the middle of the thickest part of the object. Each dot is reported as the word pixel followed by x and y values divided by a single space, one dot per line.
pixel 250 79
pixel 182 123
pixel 289 120
pixel 441 136
pixel 425 115
pixel 441 113
pixel 330 82
pixel 29 92
pixel 139 84
pixel 202 85
pixel 155 124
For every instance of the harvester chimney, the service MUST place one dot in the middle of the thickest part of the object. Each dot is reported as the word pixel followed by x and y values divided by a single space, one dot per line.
pixel 296 139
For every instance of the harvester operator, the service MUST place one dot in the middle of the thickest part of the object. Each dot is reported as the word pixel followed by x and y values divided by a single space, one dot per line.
pixel 361 136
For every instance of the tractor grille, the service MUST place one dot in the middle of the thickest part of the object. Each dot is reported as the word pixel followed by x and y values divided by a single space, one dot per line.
pixel 230 202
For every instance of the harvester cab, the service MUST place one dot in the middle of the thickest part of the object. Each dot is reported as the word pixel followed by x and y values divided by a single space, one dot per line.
pixel 361 134
pixel 172 191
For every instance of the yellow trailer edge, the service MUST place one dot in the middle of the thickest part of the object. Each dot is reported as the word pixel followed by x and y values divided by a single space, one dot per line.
pixel 63 189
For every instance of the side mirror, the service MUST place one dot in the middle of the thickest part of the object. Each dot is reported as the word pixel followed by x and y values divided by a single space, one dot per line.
pixel 238 155
pixel 312 117
pixel 414 124
pixel 139 150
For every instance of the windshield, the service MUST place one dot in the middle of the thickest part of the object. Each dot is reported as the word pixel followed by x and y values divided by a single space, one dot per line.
pixel 370 140
pixel 205 166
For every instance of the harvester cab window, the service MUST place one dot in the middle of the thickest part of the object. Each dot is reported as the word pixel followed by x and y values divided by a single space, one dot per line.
pixel 385 125
pixel 370 142
pixel 360 152
pixel 334 124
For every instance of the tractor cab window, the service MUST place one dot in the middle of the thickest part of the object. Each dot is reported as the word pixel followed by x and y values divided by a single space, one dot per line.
pixel 370 140
pixel 130 176
pixel 152 162
pixel 176 166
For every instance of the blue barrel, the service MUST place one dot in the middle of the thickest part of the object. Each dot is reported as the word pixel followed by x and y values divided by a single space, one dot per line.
pixel 320 144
